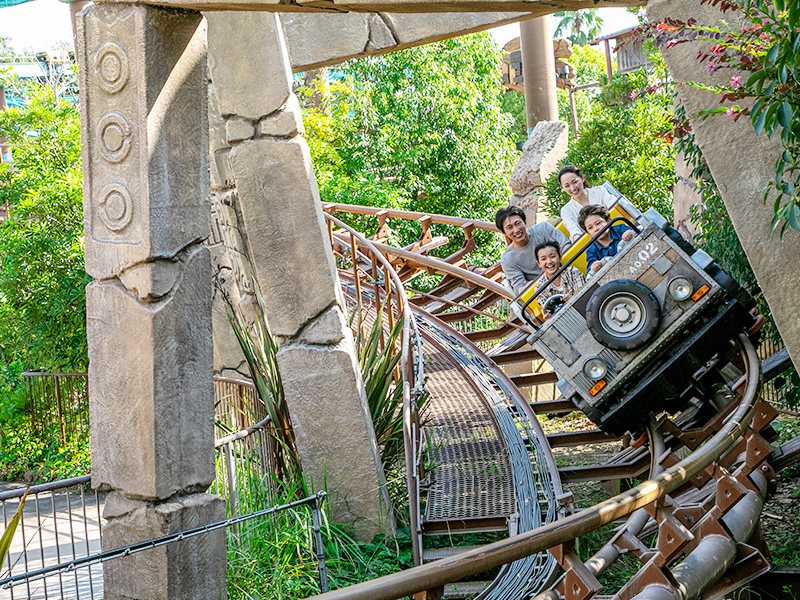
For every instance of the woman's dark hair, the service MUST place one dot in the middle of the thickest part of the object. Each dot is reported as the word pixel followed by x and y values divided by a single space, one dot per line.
pixel 547 244
pixel 570 169
pixel 592 210
pixel 508 211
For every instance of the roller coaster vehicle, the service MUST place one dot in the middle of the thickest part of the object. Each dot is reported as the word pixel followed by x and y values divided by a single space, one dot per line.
pixel 648 332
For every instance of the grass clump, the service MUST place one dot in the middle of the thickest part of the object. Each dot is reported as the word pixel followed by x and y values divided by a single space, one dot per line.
pixel 274 558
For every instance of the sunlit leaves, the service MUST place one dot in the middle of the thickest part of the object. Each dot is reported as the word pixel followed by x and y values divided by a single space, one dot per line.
pixel 421 129
pixel 42 301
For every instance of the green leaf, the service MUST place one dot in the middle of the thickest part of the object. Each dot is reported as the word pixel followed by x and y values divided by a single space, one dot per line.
pixel 773 53
pixel 793 217
pixel 755 77
pixel 8 534
pixel 758 124
pixel 779 5
pixel 785 114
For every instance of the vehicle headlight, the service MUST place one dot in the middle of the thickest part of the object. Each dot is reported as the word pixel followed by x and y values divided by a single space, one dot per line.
pixel 595 368
pixel 680 288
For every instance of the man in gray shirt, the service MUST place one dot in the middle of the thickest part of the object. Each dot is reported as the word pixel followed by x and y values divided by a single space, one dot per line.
pixel 518 261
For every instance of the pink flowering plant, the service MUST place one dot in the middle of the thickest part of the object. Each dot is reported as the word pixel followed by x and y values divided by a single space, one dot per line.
pixel 764 55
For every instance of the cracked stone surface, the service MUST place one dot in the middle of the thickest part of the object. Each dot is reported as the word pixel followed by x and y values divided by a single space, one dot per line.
pixel 287 243
pixel 352 34
pixel 287 238
pixel 319 380
pixel 151 281
pixel 256 96
pixel 152 409
pixel 546 145
pixel 170 571
pixel 286 123
pixel 142 193
pixel 238 130
pixel 145 146
pixel 328 328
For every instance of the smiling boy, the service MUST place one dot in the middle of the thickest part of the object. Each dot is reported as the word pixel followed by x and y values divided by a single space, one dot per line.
pixel 592 219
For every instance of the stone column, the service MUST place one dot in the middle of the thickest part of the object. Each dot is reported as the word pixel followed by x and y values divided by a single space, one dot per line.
pixel 538 71
pixel 546 146
pixel 741 163
pixel 143 128
pixel 293 263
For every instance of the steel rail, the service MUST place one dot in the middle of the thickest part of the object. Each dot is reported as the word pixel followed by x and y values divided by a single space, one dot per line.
pixel 715 553
pixel 409 215
pixel 105 556
pixel 444 571
pixel 242 433
pixel 532 486
pixel 407 371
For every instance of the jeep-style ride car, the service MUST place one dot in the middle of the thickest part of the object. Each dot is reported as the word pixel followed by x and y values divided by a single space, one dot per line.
pixel 646 331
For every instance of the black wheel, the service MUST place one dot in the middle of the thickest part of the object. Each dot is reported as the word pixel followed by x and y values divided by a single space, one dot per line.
pixel 623 314
pixel 554 303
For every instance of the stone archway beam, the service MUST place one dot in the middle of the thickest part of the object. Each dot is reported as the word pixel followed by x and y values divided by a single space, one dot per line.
pixel 357 34
pixel 535 8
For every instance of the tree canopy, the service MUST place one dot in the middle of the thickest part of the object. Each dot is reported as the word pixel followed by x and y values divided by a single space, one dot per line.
pixel 42 302
pixel 579 26
pixel 421 129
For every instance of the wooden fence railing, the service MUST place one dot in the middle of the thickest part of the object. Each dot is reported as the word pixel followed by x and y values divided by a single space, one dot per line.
pixel 57 402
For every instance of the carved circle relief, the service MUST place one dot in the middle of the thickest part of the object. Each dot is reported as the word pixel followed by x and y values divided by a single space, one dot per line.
pixel 116 207
pixel 111 65
pixel 114 136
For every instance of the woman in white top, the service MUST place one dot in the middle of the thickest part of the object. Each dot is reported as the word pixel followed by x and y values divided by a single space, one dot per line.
pixel 573 182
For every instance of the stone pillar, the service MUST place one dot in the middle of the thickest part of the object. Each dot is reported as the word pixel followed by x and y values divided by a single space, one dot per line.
pixel 538 72
pixel 294 266
pixel 546 146
pixel 229 258
pixel 741 163
pixel 143 128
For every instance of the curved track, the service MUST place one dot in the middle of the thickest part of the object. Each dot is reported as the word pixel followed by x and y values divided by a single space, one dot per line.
pixel 479 461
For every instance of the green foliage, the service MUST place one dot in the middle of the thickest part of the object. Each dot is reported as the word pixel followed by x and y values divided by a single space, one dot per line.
pixel 384 394
pixel 421 129
pixel 42 281
pixel 623 142
pixel 378 361
pixel 590 67
pixel 261 353
pixel 765 50
pixel 580 26
pixel 279 561
pixel 513 103
pixel 717 235
pixel 41 459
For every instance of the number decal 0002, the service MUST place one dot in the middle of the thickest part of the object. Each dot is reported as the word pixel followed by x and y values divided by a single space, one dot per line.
pixel 647 252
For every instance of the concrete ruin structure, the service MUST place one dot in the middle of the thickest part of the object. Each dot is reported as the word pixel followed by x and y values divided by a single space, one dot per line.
pixel 144 138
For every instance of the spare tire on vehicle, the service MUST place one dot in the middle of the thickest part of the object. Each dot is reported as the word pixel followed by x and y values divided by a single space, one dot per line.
pixel 623 314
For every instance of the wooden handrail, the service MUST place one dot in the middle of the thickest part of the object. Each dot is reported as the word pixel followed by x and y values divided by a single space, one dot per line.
pixel 408 215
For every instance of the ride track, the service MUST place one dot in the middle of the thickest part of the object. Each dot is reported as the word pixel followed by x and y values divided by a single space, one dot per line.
pixel 477 459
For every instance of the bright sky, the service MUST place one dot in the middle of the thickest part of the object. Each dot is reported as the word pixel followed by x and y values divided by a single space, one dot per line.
pixel 41 24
